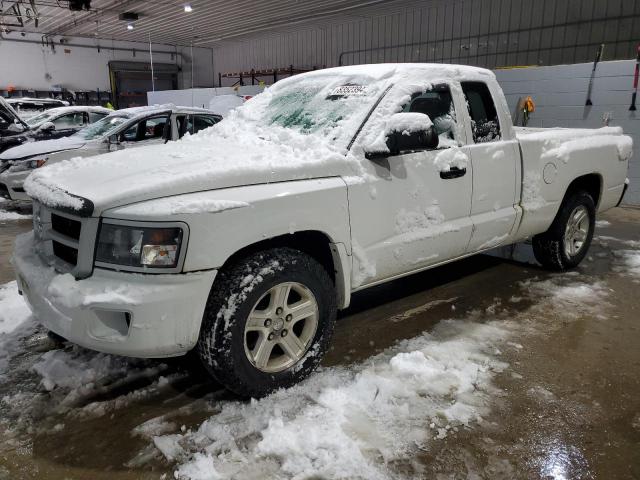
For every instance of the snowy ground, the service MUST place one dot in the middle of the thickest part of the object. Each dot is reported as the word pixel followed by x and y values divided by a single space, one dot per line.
pixel 374 418
pixel 11 211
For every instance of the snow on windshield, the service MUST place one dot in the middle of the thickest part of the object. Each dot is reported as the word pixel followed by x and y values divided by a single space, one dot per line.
pixel 330 106
pixel 101 128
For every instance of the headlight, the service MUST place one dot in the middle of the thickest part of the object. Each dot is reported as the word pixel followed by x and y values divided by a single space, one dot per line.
pixel 36 162
pixel 22 165
pixel 139 247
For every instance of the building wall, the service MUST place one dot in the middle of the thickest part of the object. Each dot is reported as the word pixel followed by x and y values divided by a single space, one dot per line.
pixel 488 33
pixel 25 65
pixel 560 93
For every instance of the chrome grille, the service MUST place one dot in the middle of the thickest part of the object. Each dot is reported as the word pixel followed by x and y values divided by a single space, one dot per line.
pixel 65 241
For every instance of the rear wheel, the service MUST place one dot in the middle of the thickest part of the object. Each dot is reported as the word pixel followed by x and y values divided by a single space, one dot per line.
pixel 268 321
pixel 567 241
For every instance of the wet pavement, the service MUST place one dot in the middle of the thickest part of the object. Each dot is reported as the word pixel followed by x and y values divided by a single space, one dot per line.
pixel 566 407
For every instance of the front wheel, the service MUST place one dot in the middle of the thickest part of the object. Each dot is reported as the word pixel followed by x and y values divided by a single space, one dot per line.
pixel 268 321
pixel 567 241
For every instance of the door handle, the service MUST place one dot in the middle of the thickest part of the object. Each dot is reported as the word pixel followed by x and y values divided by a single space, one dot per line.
pixel 453 172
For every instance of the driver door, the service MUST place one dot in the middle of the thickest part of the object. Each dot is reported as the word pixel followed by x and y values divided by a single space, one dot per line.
pixel 410 214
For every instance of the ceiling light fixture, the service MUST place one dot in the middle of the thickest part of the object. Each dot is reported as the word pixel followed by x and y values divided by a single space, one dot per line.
pixel 129 26
pixel 188 8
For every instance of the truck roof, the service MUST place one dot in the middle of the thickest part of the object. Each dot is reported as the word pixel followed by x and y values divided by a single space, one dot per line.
pixel 382 70
pixel 141 111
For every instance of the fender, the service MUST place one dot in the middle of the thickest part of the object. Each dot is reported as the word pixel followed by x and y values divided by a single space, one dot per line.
pixel 222 222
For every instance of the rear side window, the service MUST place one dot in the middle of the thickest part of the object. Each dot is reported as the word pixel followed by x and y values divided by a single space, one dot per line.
pixel 485 125
pixel 201 122
pixel 71 120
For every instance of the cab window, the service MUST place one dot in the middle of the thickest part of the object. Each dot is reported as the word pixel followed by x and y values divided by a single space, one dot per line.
pixel 70 120
pixel 195 123
pixel 146 129
pixel 437 103
pixel 485 125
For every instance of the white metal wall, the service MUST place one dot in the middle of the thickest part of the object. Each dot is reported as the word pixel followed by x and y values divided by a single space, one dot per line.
pixel 489 33
pixel 560 93
pixel 25 65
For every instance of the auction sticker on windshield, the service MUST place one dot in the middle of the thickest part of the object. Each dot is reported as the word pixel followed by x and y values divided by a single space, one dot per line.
pixel 348 90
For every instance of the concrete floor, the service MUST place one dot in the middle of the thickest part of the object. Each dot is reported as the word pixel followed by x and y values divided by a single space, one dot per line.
pixel 568 407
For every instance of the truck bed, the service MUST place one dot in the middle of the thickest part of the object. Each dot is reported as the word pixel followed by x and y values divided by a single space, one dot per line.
pixel 552 158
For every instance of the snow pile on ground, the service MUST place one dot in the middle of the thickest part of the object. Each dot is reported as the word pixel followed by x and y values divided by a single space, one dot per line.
pixel 630 261
pixel 13 309
pixel 602 223
pixel 14 321
pixel 7 215
pixel 351 423
pixel 574 299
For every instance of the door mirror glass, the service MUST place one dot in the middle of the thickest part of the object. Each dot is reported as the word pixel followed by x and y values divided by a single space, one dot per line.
pixel 405 131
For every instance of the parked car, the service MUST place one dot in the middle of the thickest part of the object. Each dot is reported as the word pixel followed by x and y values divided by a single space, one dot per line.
pixel 244 240
pixel 127 128
pixel 54 123
pixel 29 107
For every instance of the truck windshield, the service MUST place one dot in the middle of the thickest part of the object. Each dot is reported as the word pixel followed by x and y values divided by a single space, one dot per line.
pixel 330 106
pixel 101 128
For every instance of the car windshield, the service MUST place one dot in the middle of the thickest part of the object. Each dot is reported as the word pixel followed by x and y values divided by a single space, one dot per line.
pixel 331 106
pixel 41 118
pixel 101 128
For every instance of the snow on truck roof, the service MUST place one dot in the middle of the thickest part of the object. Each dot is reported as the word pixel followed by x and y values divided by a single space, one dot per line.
pixel 134 112
pixel 400 70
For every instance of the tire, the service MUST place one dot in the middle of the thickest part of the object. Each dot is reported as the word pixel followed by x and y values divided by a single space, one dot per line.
pixel 557 249
pixel 242 316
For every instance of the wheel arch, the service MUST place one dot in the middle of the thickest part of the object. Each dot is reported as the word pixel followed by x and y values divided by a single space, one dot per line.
pixel 591 183
pixel 318 245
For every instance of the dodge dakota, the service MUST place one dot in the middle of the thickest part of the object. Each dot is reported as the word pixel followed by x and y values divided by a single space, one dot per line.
pixel 244 240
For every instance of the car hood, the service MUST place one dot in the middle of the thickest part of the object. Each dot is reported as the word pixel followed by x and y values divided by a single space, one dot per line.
pixel 42 147
pixel 216 158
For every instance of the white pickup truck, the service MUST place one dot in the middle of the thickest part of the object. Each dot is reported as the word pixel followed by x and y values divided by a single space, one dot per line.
pixel 244 240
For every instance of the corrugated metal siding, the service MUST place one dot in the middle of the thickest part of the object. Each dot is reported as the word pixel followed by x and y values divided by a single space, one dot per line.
pixel 560 93
pixel 488 33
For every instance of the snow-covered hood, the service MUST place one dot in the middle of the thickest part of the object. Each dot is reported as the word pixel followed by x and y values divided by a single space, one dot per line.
pixel 214 159
pixel 43 147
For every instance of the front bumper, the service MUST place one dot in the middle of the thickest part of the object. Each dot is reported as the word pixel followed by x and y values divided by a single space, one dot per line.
pixel 12 185
pixel 130 314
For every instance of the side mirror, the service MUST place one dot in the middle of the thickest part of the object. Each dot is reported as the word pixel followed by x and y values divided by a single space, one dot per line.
pixel 47 127
pixel 114 142
pixel 405 131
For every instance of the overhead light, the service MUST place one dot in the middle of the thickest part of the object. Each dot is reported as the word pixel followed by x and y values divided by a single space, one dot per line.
pixel 129 26
pixel 188 8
